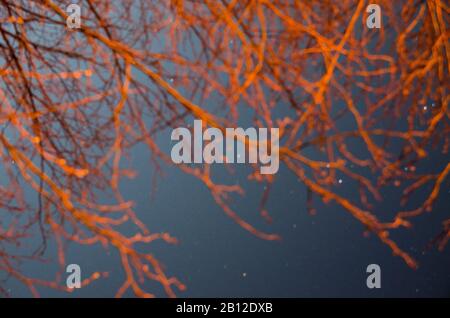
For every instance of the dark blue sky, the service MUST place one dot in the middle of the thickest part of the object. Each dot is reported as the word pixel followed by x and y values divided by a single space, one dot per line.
pixel 321 255
pixel 324 255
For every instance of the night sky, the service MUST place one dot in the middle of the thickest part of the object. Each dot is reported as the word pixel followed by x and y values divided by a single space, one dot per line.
pixel 324 255
pixel 320 255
